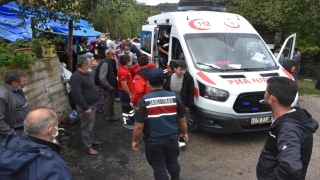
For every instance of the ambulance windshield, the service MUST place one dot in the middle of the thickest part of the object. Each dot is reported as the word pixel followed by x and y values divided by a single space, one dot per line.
pixel 229 52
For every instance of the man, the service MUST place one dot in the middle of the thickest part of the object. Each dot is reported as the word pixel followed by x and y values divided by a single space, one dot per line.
pixel 114 44
pixel 140 85
pixel 82 48
pixel 277 49
pixel 163 48
pixel 133 48
pixel 124 89
pixel 13 104
pixel 34 155
pixel 181 83
pixel 288 148
pixel 136 66
pixel 157 115
pixel 106 78
pixel 101 46
pixel 133 57
pixel 136 42
pixel 86 95
pixel 297 59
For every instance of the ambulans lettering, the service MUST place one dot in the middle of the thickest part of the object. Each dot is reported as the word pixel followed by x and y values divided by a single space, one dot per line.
pixel 247 81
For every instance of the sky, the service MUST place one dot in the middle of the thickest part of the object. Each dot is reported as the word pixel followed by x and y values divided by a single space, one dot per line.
pixel 155 2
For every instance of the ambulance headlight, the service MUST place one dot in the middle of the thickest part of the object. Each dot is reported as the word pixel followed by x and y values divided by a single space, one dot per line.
pixel 213 93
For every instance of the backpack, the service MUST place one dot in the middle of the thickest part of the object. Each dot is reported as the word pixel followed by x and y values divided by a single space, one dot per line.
pixel 92 44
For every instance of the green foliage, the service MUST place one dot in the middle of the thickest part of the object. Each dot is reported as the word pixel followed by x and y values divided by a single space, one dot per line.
pixel 11 56
pixel 307 87
pixel 165 7
pixel 122 18
pixel 286 16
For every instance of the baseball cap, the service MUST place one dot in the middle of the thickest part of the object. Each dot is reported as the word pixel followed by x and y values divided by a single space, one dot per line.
pixel 156 75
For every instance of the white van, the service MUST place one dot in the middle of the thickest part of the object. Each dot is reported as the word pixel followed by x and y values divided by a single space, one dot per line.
pixel 229 62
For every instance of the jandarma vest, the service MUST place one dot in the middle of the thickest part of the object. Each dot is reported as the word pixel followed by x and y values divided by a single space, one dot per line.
pixel 162 113
pixel 110 75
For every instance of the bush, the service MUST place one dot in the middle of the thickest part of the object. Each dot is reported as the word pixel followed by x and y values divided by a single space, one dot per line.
pixel 310 62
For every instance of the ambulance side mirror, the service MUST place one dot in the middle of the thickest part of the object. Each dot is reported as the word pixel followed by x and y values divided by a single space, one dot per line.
pixel 289 65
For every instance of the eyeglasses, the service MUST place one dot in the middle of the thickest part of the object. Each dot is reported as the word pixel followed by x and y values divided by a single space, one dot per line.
pixel 112 54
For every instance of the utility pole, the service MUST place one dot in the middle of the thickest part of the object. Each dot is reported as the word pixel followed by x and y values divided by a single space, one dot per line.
pixel 70 50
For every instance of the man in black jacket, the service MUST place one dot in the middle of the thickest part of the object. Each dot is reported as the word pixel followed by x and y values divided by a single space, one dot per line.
pixel 288 149
pixel 181 83
pixel 86 95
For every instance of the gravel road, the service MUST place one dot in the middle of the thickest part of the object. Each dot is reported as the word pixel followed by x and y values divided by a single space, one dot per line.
pixel 207 156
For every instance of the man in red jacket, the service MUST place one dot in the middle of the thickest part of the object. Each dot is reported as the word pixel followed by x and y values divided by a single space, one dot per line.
pixel 134 68
pixel 140 86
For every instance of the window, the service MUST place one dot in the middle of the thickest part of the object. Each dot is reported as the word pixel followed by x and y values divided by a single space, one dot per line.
pixel 176 50
pixel 146 41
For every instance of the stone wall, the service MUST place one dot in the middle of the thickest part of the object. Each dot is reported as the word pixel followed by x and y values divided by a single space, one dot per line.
pixel 45 87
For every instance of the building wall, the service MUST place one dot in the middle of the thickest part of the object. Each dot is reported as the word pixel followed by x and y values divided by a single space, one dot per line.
pixel 45 87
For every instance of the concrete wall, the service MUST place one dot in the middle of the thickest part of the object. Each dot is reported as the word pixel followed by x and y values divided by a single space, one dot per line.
pixel 45 87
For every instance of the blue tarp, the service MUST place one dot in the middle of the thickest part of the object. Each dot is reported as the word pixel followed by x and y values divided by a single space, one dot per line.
pixel 11 29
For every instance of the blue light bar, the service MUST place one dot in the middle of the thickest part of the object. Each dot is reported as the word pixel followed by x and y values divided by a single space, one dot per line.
pixel 203 8
pixel 155 21
pixel 246 103
pixel 167 20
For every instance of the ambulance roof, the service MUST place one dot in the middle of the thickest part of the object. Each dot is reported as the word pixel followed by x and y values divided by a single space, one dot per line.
pixel 203 22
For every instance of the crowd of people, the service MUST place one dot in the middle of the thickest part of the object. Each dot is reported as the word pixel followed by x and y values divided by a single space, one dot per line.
pixel 153 103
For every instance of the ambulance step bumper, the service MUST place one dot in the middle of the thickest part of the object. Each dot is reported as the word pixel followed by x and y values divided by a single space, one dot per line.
pixel 227 123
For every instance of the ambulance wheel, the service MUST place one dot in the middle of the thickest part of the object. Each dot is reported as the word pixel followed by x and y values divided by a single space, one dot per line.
pixel 191 122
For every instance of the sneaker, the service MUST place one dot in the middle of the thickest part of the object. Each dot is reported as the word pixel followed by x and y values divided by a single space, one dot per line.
pixel 117 99
pixel 128 126
pixel 181 144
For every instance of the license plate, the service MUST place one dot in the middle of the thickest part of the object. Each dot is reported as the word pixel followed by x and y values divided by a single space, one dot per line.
pixel 261 120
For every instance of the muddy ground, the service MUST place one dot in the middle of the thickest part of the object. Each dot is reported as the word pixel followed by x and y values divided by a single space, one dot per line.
pixel 207 156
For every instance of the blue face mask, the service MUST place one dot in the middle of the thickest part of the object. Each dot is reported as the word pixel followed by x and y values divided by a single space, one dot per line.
pixel 16 89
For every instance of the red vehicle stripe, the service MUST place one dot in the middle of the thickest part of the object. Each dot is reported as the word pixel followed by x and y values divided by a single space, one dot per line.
pixel 162 109
pixel 287 73
pixel 196 92
pixel 205 78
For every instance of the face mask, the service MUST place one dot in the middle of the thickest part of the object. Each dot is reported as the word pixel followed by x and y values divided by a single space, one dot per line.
pixel 88 70
pixel 16 89
pixel 54 140
pixel 167 35
pixel 103 39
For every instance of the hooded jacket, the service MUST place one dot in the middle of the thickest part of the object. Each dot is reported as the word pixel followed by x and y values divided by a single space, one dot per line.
pixel 187 89
pixel 140 85
pixel 23 158
pixel 288 148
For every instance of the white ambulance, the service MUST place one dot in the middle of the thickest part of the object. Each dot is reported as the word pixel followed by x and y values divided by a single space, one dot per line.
pixel 229 62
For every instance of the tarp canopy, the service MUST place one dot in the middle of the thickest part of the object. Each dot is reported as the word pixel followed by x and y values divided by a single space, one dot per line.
pixel 12 28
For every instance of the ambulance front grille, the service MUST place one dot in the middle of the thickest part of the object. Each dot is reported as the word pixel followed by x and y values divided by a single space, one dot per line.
pixel 250 103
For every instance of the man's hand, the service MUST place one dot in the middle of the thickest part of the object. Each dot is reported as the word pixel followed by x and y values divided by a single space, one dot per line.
pixel 110 88
pixel 187 109
pixel 88 111
pixel 184 135
pixel 135 145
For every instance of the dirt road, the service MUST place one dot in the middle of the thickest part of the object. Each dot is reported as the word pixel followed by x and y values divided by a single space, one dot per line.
pixel 207 156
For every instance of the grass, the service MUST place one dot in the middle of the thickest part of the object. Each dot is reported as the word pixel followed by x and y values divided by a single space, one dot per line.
pixel 307 87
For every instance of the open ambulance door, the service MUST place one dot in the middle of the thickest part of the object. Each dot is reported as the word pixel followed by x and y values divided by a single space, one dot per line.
pixel 286 54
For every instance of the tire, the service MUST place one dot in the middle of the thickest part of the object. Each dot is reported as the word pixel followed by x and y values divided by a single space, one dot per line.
pixel 191 122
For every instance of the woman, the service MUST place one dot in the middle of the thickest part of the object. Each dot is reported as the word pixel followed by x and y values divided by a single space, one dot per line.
pixel 95 63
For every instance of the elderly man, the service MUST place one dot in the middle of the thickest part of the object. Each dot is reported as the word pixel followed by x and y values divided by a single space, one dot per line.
pixel 86 95
pixel 13 104
pixel 106 78
pixel 34 155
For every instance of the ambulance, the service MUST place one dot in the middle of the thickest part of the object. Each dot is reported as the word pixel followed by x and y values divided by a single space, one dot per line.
pixel 229 62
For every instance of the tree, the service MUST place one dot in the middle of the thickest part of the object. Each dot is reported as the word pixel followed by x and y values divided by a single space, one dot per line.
pixel 286 16
pixel 123 18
